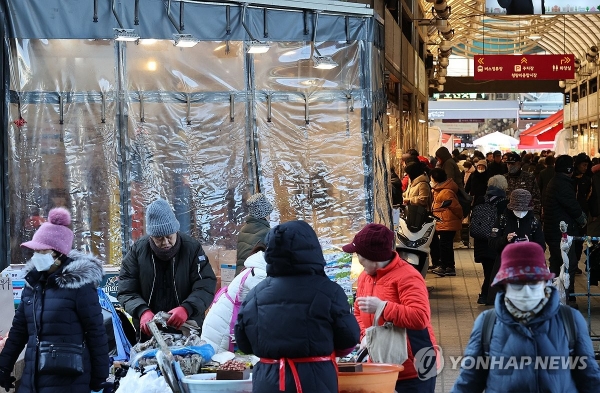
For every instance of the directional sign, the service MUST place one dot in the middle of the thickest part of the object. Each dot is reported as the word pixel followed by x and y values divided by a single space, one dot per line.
pixel 524 67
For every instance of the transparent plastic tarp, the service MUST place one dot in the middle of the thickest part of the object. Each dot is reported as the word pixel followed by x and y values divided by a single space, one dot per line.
pixel 203 127
pixel 72 164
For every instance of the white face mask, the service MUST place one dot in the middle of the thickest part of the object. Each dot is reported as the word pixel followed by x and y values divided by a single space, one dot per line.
pixel 432 184
pixel 480 170
pixel 526 298
pixel 520 214
pixel 42 262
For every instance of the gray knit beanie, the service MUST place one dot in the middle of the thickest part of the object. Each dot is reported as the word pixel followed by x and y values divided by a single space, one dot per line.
pixel 259 206
pixel 160 219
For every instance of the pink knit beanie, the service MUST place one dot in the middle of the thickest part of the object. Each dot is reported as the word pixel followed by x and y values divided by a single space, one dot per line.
pixel 53 234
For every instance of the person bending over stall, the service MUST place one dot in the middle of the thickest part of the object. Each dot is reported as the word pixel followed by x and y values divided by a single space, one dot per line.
pixel 296 320
pixel 166 270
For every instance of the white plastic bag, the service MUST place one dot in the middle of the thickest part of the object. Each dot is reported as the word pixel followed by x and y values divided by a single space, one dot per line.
pixel 562 281
pixel 150 382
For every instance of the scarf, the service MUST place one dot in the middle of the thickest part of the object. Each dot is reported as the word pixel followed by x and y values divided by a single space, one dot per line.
pixel 165 254
pixel 524 317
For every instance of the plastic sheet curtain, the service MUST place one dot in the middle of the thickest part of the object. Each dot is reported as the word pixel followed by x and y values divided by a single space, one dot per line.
pixel 310 139
pixel 60 151
pixel 104 128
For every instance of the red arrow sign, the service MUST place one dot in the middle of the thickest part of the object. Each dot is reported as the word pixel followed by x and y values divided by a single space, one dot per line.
pixel 524 67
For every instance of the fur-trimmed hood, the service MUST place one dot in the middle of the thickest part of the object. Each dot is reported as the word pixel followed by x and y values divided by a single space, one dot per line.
pixel 81 269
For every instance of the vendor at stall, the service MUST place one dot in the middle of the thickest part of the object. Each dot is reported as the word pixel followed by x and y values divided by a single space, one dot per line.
pixel 165 271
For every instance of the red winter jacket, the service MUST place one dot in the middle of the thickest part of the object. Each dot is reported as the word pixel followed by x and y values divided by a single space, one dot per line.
pixel 404 289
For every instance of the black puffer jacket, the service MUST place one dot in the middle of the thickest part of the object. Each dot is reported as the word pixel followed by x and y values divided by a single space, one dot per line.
pixel 295 312
pixel 193 278
pixel 67 310
pixel 560 204
pixel 507 223
pixel 253 231
pixel 482 252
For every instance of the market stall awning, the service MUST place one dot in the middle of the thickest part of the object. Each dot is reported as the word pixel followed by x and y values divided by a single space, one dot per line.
pixel 537 146
pixel 544 131
pixel 446 137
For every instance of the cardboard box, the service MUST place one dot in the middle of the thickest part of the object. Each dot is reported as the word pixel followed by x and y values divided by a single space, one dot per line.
pixel 110 282
pixel 16 275
pixel 229 375
pixel 227 274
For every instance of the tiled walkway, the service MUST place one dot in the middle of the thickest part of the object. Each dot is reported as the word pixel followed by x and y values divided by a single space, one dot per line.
pixel 454 309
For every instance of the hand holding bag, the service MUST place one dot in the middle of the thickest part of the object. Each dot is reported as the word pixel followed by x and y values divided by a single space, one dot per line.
pixel 386 343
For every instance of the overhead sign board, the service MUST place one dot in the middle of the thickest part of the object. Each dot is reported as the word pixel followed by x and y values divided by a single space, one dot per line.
pixel 524 67
pixel 539 7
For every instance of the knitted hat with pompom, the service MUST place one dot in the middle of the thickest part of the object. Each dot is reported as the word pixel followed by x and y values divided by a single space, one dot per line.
pixel 53 234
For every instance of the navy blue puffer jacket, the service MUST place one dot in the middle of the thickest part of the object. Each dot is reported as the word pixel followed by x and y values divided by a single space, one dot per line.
pixel 295 312
pixel 67 310
pixel 544 337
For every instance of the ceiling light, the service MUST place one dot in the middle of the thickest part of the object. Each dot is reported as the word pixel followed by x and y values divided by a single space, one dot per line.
pixel 148 41
pixel 151 65
pixel 534 37
pixel 185 40
pixel 324 62
pixel 258 47
pixel 126 35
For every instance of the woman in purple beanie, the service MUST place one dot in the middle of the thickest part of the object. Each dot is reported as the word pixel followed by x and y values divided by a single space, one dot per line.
pixel 59 305
pixel 529 342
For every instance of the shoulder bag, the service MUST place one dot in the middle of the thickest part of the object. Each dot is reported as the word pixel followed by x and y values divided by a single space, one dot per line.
pixel 55 357
pixel 386 343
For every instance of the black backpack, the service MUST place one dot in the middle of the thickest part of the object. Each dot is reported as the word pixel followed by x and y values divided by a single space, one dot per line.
pixel 489 320
pixel 465 200
pixel 483 218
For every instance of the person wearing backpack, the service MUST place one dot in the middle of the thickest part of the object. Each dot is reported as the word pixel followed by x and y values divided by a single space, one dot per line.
pixel 483 218
pixel 448 210
pixel 516 224
pixel 218 327
pixel 528 340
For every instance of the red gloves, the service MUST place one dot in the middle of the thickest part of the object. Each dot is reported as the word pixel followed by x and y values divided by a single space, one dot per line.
pixel 144 319
pixel 178 317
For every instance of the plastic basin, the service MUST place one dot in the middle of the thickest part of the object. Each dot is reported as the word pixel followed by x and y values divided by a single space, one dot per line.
pixel 195 384
pixel 375 378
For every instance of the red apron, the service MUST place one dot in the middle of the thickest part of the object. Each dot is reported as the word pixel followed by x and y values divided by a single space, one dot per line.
pixel 292 363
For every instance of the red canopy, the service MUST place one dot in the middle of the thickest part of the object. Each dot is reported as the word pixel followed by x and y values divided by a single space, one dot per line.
pixel 544 131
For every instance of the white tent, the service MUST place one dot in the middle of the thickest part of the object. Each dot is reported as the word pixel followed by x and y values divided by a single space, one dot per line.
pixel 496 139
pixel 435 140
pixel 561 144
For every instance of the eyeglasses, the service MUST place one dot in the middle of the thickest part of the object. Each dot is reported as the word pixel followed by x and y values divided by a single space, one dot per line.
pixel 531 285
